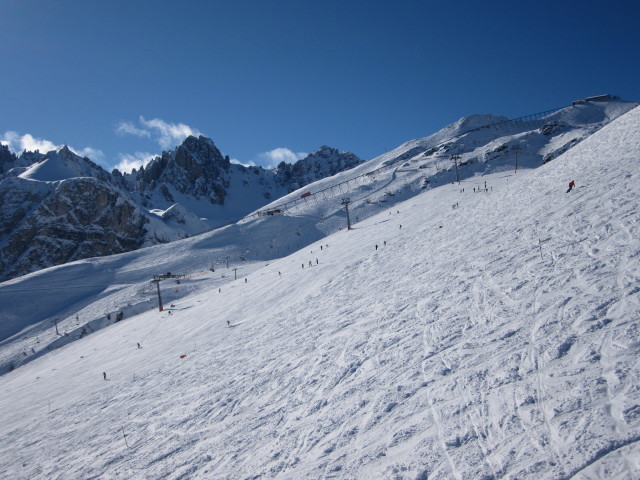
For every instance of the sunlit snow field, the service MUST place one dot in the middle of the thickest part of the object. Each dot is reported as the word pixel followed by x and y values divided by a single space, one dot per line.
pixel 497 339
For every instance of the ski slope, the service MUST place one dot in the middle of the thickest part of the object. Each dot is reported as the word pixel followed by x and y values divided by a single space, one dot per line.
pixel 497 339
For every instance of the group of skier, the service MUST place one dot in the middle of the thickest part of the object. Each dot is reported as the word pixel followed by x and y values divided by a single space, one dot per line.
pixel 572 185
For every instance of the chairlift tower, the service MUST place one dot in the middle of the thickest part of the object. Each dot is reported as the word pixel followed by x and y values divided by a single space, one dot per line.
pixel 157 282
pixel 516 148
pixel 346 201
pixel 455 158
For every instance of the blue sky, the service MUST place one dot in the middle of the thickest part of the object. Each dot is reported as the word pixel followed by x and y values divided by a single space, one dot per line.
pixel 270 80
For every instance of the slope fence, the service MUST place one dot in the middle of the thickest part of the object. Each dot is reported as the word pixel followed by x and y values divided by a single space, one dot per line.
pixel 534 120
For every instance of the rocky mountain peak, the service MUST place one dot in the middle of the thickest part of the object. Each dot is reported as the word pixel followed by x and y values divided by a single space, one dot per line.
pixel 324 162
pixel 195 167
pixel 201 149
pixel 64 151
pixel 325 151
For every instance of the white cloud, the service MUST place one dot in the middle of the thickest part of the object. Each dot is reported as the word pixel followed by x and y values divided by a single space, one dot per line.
pixel 128 128
pixel 130 161
pixel 166 134
pixel 244 164
pixel 94 154
pixel 17 143
pixel 9 138
pixel 273 157
pixel 169 134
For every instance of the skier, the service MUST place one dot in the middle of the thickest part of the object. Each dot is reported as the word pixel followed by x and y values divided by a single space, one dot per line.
pixel 139 345
pixel 316 261
pixel 104 375
pixel 228 323
pixel 245 280
pixel 310 264
pixel 279 274
pixel 571 185
pixel 376 246
pixel 385 243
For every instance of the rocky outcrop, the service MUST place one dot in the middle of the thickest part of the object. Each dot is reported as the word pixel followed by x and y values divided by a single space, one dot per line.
pixel 324 162
pixel 7 159
pixel 196 168
pixel 59 222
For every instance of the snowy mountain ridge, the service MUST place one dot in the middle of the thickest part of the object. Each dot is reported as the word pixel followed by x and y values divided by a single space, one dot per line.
pixel 63 164
pixel 184 192
pixel 453 334
pixel 194 188
pixel 480 144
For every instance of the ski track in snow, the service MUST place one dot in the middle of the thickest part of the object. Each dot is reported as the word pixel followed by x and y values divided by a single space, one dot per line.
pixel 455 352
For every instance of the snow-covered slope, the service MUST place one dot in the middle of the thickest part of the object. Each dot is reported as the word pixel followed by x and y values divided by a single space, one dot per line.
pixel 496 339
pixel 63 164
pixel 481 145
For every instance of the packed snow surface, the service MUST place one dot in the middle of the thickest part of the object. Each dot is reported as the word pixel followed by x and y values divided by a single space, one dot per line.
pixel 458 335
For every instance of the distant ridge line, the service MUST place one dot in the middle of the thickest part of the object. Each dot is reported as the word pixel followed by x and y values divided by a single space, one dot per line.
pixel 526 120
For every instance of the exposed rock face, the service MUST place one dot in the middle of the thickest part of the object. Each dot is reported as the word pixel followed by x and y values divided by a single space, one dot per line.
pixel 194 168
pixel 197 168
pixel 7 159
pixel 324 162
pixel 59 222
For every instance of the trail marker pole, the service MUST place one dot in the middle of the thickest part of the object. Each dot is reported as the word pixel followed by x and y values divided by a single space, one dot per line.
pixel 516 148
pixel 125 437
pixel 540 246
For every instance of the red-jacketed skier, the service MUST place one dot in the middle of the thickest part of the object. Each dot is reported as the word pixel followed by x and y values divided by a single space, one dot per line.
pixel 571 185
